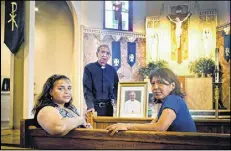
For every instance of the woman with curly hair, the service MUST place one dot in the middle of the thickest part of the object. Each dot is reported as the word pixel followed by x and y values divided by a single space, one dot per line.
pixel 54 111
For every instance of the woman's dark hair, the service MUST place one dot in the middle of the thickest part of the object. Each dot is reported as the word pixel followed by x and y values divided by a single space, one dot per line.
pixel 45 96
pixel 167 75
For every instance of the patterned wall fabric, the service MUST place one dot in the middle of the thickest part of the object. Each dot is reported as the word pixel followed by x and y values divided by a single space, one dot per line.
pixel 225 69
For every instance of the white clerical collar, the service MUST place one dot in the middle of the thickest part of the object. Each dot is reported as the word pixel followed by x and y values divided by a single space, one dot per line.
pixel 102 67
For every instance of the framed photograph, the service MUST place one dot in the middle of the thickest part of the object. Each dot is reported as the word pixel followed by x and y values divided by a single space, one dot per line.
pixel 132 99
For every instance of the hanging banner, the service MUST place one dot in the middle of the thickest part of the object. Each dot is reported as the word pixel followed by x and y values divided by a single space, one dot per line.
pixel 226 46
pixel 131 59
pixel 116 57
pixel 14 25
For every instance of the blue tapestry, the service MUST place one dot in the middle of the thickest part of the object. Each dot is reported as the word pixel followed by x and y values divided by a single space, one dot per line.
pixel 116 57
pixel 131 59
pixel 226 46
pixel 14 25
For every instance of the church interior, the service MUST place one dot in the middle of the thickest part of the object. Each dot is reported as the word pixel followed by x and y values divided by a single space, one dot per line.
pixel 192 38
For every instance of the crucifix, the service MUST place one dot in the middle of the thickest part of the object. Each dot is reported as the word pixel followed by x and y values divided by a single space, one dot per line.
pixel 178 30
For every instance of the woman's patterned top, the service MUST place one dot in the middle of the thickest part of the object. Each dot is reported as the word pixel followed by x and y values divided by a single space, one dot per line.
pixel 64 113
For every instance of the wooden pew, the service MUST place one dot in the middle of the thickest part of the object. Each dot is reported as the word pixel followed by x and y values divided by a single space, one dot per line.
pixel 80 138
pixel 203 125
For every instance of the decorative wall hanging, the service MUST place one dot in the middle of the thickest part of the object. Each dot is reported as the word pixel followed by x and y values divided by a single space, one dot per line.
pixel 226 35
pixel 131 38
pixel 221 32
pixel 116 35
pixel 116 57
pixel 207 26
pixel 131 58
pixel 152 38
pixel 14 25
pixel 100 36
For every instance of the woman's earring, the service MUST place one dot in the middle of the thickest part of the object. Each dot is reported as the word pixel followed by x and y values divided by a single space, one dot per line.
pixel 173 86
pixel 51 97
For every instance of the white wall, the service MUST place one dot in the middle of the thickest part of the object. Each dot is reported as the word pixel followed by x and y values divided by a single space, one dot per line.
pixel 54 35
pixel 153 8
pixel 223 8
pixel 92 14
pixel 139 15
pixel 5 52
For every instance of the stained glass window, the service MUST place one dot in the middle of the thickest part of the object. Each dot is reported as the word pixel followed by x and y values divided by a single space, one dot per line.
pixel 118 15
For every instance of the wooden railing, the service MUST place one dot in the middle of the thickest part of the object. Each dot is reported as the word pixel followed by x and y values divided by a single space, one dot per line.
pixel 203 125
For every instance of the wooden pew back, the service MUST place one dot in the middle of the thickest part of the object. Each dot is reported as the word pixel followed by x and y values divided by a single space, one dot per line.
pixel 80 138
pixel 203 125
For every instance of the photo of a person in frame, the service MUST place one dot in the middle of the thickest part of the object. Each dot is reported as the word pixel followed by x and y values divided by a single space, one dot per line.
pixel 133 104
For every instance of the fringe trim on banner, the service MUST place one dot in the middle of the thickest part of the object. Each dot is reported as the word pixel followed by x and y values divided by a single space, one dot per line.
pixel 116 35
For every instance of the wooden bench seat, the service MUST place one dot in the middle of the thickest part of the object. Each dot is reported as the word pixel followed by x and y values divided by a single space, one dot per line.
pixel 80 138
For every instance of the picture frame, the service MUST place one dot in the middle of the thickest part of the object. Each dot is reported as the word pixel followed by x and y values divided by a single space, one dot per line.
pixel 132 99
pixel 150 104
pixel 153 106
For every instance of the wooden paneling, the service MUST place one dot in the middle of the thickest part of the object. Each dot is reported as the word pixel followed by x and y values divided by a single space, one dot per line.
pixel 213 125
pixel 127 140
pixel 81 138
pixel 199 93
pixel 203 125
pixel 225 66
pixel 182 82
pixel 206 126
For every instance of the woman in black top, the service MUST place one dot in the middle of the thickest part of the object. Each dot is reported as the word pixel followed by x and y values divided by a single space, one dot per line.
pixel 54 111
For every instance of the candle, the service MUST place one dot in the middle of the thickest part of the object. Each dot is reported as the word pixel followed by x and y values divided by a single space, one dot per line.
pixel 217 58
pixel 217 65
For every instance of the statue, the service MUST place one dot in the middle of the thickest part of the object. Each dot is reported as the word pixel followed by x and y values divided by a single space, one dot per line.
pixel 207 37
pixel 178 23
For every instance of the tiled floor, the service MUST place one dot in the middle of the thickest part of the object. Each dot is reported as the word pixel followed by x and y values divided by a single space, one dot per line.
pixel 12 148
pixel 10 137
pixel 10 140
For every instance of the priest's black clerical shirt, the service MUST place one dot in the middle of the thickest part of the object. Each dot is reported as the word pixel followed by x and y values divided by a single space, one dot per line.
pixel 99 83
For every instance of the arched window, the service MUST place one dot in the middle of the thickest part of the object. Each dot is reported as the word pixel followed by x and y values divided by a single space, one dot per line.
pixel 118 15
